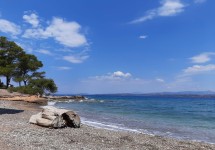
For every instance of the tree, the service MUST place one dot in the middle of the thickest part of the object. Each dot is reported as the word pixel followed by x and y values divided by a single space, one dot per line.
pixel 26 68
pixel 10 53
pixel 42 86
pixel 21 67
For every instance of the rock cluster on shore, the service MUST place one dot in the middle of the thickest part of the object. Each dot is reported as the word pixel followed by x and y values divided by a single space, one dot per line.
pixel 75 97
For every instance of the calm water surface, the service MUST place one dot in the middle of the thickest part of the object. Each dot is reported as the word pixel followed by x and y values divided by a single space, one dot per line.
pixel 185 118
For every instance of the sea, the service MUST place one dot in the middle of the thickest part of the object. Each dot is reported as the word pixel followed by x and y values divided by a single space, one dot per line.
pixel 187 118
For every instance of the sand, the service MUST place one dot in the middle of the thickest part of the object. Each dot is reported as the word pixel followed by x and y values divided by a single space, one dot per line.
pixel 5 95
pixel 17 134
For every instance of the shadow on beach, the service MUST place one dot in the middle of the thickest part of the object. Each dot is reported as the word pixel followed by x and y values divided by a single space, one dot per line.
pixel 9 111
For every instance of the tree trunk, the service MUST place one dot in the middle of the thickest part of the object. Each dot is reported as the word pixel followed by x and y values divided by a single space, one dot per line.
pixel 25 82
pixel 7 81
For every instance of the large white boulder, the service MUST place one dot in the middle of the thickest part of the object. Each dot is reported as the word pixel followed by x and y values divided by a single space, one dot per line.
pixel 56 118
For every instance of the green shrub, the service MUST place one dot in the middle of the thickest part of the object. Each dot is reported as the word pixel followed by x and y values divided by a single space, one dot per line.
pixel 41 86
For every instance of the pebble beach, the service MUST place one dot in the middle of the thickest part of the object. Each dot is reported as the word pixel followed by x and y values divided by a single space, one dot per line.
pixel 17 134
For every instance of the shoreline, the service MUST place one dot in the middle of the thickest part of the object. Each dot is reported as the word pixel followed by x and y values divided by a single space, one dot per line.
pixel 17 133
pixel 135 131
pixel 15 96
pixel 99 116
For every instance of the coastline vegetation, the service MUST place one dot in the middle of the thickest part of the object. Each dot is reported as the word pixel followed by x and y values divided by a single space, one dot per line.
pixel 22 68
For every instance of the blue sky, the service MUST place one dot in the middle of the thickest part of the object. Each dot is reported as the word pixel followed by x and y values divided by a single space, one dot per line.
pixel 118 46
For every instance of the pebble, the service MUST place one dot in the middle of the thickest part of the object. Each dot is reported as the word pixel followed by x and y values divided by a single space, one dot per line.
pixel 17 134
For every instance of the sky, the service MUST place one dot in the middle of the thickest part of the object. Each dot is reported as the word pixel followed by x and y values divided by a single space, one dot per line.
pixel 111 46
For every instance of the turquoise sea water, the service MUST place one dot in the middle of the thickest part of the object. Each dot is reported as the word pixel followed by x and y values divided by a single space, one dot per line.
pixel 184 118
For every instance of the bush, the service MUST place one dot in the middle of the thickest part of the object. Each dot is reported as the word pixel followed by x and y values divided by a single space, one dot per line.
pixel 41 86
pixel 26 90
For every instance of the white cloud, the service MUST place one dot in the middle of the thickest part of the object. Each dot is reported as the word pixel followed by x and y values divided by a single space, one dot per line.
pixel 63 68
pixel 196 69
pixel 120 82
pixel 182 83
pixel 167 8
pixel 160 80
pixel 118 75
pixel 196 77
pixel 199 1
pixel 66 33
pixel 170 8
pixel 149 15
pixel 9 27
pixel 121 74
pixel 46 52
pixel 75 59
pixel 143 36
pixel 35 33
pixel 202 58
pixel 27 47
pixel 32 19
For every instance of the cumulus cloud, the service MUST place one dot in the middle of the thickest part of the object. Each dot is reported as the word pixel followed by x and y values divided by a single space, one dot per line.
pixel 66 33
pixel 75 59
pixel 202 58
pixel 35 33
pixel 32 19
pixel 118 75
pixel 196 69
pixel 167 8
pixel 45 52
pixel 9 27
pixel 121 74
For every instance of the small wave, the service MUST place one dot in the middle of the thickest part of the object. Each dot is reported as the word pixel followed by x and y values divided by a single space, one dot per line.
pixel 92 101
pixel 116 127
pixel 51 103
pixel 108 126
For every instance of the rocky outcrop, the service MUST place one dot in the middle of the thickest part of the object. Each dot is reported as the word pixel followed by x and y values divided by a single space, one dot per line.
pixel 26 98
pixel 15 96
pixel 56 118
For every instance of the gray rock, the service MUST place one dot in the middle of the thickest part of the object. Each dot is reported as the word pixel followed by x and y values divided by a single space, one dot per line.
pixel 56 118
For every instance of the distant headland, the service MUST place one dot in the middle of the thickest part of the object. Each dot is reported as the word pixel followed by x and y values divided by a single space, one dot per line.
pixel 190 94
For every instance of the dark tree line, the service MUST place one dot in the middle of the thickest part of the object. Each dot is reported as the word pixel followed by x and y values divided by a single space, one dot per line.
pixel 17 65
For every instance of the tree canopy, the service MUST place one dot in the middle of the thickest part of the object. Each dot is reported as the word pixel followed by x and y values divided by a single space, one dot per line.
pixel 16 64
pixel 26 66
pixel 10 52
